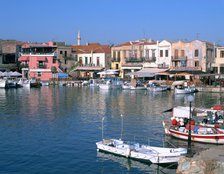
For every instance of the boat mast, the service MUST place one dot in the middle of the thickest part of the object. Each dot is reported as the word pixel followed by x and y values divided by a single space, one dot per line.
pixel 102 127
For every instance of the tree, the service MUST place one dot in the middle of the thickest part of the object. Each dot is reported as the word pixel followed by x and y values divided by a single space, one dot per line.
pixel 54 71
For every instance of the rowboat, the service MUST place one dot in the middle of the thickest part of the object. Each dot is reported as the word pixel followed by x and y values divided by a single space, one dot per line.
pixel 146 153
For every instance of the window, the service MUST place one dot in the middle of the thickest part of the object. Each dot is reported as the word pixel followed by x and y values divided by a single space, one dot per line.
pixel 114 54
pixel 90 60
pixel 118 54
pixel 161 53
pixel 153 53
pixel 61 52
pixel 117 66
pixel 86 60
pixel 38 74
pixel 222 54
pixel 176 53
pixel 65 60
pixel 98 61
pixel 182 53
pixel 54 60
pixel 124 53
pixel 166 53
pixel 141 54
pixel 195 53
pixel 147 53
pixel 80 60
pixel 196 63
pixel 135 53
pixel 65 53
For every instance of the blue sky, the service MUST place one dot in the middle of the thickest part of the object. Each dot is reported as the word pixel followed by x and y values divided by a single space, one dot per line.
pixel 111 21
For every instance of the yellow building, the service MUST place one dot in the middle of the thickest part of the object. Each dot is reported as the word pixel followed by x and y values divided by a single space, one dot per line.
pixel 128 57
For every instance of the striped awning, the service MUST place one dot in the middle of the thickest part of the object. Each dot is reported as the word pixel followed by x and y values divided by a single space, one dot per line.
pixel 146 72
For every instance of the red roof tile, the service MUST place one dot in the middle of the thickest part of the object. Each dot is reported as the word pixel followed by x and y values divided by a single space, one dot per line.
pixel 93 47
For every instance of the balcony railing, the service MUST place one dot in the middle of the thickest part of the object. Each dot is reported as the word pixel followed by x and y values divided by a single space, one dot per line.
pixel 24 65
pixel 178 58
pixel 42 66
pixel 115 60
pixel 149 59
pixel 134 60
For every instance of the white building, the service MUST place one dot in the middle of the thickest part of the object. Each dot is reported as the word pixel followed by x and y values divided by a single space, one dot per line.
pixel 164 54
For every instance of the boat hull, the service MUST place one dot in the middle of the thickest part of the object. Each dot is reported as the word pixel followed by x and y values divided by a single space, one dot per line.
pixel 208 138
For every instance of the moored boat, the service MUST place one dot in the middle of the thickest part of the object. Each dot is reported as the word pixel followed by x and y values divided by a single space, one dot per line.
pixel 3 83
pixel 155 87
pixel 151 154
pixel 179 127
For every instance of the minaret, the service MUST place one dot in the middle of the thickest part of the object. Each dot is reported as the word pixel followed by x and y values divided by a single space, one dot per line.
pixel 78 38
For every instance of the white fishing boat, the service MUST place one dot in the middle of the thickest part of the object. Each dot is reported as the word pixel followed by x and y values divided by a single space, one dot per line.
pixel 93 83
pixel 126 85
pixel 155 87
pixel 3 83
pixel 24 82
pixel 180 89
pixel 110 83
pixel 45 83
pixel 142 152
pixel 151 154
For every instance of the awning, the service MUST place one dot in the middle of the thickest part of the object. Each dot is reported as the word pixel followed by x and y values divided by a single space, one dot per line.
pixel 62 75
pixel 146 72
pixel 108 72
pixel 88 68
pixel 23 58
pixel 41 59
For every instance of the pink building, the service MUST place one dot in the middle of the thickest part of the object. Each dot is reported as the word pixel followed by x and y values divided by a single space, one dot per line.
pixel 39 61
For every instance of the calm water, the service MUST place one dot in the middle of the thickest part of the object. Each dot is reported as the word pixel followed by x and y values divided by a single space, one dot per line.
pixel 54 129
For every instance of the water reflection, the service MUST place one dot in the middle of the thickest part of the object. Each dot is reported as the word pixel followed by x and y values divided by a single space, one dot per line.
pixel 130 164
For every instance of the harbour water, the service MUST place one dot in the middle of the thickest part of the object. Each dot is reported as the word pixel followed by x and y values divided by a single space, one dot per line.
pixel 54 129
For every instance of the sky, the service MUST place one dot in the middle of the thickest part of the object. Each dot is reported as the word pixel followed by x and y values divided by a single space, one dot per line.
pixel 111 21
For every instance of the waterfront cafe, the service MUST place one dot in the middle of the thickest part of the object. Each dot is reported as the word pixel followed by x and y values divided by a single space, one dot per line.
pixel 87 72
pixel 146 73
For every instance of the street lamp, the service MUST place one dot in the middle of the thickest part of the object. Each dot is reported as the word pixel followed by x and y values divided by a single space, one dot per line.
pixel 190 98
pixel 121 126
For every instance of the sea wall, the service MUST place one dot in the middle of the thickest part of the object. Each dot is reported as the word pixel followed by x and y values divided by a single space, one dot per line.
pixel 210 89
pixel 210 161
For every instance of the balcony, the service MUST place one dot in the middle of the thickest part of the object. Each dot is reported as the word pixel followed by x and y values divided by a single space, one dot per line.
pixel 178 58
pixel 42 66
pixel 150 59
pixel 115 60
pixel 134 60
pixel 24 65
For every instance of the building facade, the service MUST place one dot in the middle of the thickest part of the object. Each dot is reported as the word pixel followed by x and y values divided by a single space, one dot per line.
pixel 194 55
pixel 65 56
pixel 39 61
pixel 91 58
pixel 164 54
pixel 9 54
pixel 218 66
